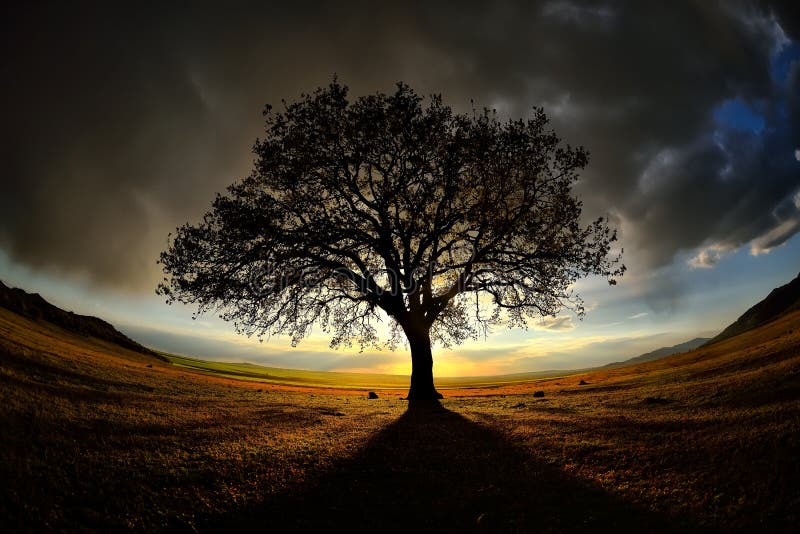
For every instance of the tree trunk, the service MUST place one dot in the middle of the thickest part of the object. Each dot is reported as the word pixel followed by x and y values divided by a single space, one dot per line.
pixel 421 366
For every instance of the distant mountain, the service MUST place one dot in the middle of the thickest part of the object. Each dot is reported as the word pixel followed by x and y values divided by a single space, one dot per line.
pixel 780 301
pixel 33 306
pixel 663 352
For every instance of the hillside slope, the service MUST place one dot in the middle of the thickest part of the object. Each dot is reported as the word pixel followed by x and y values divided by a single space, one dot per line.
pixel 33 306
pixel 780 301
pixel 663 352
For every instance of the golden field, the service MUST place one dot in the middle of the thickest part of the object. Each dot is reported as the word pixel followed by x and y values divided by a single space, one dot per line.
pixel 100 438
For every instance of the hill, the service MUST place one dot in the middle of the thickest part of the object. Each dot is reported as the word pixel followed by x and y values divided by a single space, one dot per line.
pixel 33 306
pixel 780 301
pixel 663 352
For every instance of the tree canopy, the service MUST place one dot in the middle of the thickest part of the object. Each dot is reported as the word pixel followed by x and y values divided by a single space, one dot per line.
pixel 394 209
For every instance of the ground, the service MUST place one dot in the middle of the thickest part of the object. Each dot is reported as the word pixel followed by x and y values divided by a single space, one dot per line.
pixel 100 438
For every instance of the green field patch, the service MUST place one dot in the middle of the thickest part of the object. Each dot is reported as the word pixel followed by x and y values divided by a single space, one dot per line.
pixel 331 379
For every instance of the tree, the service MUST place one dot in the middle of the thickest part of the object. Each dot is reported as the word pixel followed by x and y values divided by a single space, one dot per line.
pixel 390 209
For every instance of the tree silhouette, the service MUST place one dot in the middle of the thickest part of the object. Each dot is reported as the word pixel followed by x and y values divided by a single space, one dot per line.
pixel 396 210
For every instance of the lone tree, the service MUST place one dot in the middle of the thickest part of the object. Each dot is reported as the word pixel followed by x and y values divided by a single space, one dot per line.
pixel 392 209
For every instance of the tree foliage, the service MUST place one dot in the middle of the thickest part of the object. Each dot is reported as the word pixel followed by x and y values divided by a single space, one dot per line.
pixel 392 208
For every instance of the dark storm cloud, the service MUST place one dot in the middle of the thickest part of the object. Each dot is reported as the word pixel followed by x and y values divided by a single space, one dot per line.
pixel 787 12
pixel 120 125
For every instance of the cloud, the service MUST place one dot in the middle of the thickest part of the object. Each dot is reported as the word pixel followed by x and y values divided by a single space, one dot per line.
pixel 708 257
pixel 579 14
pixel 639 315
pixel 775 237
pixel 705 259
pixel 558 324
pixel 119 127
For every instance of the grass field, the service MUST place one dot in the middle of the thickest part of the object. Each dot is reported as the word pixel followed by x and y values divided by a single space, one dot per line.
pixel 99 438
pixel 363 381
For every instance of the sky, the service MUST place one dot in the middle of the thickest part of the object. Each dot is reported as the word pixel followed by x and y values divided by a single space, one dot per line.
pixel 120 123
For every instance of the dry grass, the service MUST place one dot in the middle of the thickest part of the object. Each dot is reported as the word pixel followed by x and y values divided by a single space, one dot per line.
pixel 96 437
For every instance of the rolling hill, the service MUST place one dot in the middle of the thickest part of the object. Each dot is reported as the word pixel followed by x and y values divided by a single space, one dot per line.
pixel 33 306
pixel 780 301
pixel 663 352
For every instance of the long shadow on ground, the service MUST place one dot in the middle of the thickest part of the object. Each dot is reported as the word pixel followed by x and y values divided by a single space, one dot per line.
pixel 433 470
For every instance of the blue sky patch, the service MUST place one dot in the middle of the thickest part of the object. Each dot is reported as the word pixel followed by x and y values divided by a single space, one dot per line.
pixel 734 113
pixel 782 61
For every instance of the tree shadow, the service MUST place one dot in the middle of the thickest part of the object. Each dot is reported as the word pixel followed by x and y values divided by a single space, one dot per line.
pixel 434 470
